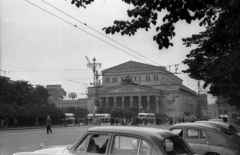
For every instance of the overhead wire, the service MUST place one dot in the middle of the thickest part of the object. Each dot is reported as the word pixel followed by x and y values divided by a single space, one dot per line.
pixel 93 35
pixel 84 31
pixel 98 31
pixel 47 73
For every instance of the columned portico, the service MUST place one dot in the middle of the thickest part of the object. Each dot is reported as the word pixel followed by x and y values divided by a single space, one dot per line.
pixel 123 99
pixel 119 102
pixel 128 102
pixel 134 84
pixel 147 102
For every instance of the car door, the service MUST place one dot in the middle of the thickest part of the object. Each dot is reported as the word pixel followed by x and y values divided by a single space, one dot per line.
pixel 93 143
pixel 197 139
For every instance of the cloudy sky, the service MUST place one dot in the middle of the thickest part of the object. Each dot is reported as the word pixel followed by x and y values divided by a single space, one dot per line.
pixel 40 44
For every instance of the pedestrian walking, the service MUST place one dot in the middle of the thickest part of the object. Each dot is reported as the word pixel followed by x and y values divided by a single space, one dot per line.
pixel 36 121
pixel 48 124
pixel 15 122
pixel 2 123
pixel 6 123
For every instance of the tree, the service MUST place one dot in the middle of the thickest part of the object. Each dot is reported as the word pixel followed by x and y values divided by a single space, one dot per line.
pixel 22 92
pixel 216 60
pixel 100 110
pixel 116 112
pixel 78 112
pixel 6 89
pixel 40 95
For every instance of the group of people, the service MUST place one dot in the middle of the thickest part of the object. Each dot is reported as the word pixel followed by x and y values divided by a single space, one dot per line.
pixel 5 122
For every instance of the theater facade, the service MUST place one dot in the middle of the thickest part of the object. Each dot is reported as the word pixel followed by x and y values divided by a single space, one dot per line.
pixel 147 87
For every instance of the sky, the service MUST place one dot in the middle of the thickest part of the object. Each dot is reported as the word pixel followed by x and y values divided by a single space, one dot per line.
pixel 45 46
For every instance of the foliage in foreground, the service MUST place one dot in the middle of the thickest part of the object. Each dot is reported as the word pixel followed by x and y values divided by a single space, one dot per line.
pixel 216 58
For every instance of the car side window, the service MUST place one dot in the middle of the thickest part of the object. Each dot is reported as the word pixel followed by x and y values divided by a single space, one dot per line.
pixel 196 134
pixel 129 146
pixel 94 144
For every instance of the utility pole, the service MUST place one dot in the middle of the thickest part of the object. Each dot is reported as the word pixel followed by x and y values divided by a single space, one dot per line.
pixel 94 65
pixel 198 101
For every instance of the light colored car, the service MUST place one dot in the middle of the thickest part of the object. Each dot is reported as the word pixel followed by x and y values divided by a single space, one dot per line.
pixel 234 123
pixel 226 125
pixel 119 140
pixel 208 139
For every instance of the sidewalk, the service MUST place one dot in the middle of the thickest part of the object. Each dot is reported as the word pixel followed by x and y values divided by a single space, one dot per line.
pixel 62 125
pixel 32 127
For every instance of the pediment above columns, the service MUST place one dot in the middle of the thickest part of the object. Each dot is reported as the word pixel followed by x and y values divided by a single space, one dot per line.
pixel 132 66
pixel 128 89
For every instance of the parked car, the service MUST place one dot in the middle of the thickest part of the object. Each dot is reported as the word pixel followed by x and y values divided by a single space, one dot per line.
pixel 208 139
pixel 234 123
pixel 223 124
pixel 114 140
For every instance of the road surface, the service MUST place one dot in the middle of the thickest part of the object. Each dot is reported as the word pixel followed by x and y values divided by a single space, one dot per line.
pixel 12 141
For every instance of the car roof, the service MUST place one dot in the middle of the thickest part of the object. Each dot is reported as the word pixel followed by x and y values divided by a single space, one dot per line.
pixel 223 124
pixel 199 125
pixel 143 131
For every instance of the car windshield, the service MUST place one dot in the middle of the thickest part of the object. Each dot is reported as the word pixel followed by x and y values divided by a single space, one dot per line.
pixel 177 146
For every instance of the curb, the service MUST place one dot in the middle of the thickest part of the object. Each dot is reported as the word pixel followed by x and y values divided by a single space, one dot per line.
pixel 33 127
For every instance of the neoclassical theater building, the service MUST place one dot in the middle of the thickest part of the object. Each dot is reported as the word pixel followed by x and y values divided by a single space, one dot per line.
pixel 148 87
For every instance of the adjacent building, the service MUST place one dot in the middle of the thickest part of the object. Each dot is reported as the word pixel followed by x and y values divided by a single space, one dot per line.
pixel 213 111
pixel 202 108
pixel 148 87
pixel 56 92
pixel 225 109
pixel 59 99
pixel 68 102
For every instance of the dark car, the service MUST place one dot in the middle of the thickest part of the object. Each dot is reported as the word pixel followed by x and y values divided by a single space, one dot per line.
pixel 208 139
pixel 114 140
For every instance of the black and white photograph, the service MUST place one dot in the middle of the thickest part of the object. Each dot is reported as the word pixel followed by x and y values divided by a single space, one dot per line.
pixel 120 77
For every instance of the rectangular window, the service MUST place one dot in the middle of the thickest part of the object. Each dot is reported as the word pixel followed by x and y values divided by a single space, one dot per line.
pixel 147 77
pixel 196 134
pixel 96 144
pixel 129 145
pixel 114 79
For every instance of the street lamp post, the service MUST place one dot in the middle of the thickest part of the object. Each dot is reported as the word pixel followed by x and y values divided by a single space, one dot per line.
pixel 94 66
pixel 139 102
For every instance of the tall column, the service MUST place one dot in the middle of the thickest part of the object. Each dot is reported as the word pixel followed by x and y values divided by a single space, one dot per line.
pixel 148 102
pixel 131 101
pixel 107 105
pixel 157 105
pixel 140 103
pixel 114 101
pixel 100 101
pixel 123 99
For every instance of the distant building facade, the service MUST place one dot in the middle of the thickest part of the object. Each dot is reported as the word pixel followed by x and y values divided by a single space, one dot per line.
pixel 56 92
pixel 213 111
pixel 150 88
pixel 75 103
pixel 7 78
pixel 72 95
